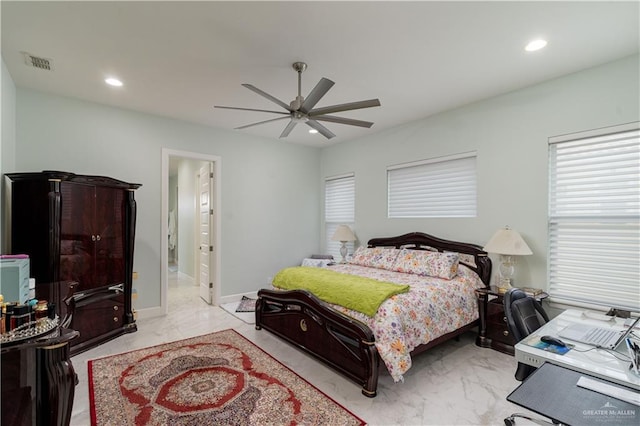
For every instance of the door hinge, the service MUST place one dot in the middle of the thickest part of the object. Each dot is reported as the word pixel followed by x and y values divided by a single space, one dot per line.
pixel 210 285
pixel 211 175
pixel 211 212
pixel 210 248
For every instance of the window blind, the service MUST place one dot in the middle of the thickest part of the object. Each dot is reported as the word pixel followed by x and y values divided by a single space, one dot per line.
pixel 594 218
pixel 442 187
pixel 339 209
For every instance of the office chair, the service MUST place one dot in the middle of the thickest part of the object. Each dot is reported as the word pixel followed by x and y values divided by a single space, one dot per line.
pixel 524 316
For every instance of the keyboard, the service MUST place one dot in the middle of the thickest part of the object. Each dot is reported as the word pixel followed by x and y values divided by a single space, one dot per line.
pixel 600 336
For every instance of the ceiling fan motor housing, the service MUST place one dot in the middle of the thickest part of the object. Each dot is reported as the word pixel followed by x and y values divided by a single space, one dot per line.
pixel 299 117
pixel 296 103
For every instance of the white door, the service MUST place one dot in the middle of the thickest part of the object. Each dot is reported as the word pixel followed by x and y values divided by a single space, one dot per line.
pixel 205 211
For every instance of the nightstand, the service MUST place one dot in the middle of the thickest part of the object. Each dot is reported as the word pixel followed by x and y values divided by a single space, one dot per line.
pixel 493 331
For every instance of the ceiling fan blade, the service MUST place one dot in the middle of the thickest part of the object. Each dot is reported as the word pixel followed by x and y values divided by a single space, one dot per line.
pixel 260 122
pixel 320 128
pixel 344 107
pixel 252 109
pixel 288 129
pixel 342 120
pixel 316 94
pixel 266 95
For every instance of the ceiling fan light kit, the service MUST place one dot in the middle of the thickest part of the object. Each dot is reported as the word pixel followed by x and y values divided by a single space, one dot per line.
pixel 301 110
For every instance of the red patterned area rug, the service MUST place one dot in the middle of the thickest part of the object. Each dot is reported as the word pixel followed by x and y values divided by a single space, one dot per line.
pixel 216 379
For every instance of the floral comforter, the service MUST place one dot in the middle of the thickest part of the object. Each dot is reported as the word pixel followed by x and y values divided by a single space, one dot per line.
pixel 432 307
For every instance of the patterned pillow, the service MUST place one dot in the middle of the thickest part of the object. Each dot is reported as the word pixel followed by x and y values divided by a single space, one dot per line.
pixel 433 264
pixel 375 257
pixel 467 259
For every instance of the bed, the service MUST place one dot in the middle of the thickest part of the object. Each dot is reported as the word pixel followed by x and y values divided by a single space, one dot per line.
pixel 356 344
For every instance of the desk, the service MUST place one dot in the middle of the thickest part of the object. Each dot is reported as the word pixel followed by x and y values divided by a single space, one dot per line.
pixel 552 391
pixel 597 362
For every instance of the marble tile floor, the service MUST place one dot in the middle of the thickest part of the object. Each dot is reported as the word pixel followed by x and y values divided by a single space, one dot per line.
pixel 456 383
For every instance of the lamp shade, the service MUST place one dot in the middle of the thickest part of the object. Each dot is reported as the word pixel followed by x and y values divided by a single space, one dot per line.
pixel 343 233
pixel 508 242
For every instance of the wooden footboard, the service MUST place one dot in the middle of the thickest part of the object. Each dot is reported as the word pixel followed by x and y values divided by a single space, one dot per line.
pixel 343 343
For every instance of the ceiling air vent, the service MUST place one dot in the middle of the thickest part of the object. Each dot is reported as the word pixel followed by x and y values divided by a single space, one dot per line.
pixel 37 62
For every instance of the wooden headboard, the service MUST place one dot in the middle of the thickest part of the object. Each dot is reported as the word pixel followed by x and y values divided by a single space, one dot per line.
pixel 481 263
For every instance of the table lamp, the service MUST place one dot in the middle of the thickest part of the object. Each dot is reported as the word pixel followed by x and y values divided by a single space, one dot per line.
pixel 507 243
pixel 343 234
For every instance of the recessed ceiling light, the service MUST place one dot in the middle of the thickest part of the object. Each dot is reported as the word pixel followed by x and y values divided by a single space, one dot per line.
pixel 535 45
pixel 113 82
pixel 314 131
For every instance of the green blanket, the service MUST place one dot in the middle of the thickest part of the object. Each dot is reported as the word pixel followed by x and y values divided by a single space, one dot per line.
pixel 351 291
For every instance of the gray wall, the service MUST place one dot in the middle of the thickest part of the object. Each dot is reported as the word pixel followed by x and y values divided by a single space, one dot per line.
pixel 272 191
pixel 173 206
pixel 510 134
pixel 187 215
pixel 8 146
pixel 269 193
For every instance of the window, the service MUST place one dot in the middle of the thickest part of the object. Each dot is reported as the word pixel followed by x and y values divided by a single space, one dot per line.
pixel 594 217
pixel 339 209
pixel 440 187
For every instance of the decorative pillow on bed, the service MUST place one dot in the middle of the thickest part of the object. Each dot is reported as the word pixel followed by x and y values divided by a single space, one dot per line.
pixel 375 257
pixel 467 259
pixel 433 264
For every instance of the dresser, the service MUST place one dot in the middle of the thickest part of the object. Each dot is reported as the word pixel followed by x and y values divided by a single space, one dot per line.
pixel 78 228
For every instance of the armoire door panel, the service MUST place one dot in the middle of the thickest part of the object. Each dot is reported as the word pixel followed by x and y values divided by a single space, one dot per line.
pixel 110 236
pixel 77 250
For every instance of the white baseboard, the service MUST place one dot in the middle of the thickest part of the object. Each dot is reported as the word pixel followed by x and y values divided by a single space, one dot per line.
pixel 237 297
pixel 149 313
pixel 159 312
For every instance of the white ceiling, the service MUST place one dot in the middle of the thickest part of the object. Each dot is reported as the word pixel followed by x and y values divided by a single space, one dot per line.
pixel 179 59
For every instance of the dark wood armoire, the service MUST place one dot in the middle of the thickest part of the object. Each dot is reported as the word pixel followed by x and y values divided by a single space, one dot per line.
pixel 78 228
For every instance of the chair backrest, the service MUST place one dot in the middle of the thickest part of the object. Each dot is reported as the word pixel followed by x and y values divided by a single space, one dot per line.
pixel 524 313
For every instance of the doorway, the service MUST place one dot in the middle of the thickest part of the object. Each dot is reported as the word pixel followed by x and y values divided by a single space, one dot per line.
pixel 182 215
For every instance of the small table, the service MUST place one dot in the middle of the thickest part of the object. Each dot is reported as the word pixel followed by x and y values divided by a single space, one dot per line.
pixel 493 331
pixel 38 378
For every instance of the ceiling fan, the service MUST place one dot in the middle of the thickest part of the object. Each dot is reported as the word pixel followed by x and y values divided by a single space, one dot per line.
pixel 301 110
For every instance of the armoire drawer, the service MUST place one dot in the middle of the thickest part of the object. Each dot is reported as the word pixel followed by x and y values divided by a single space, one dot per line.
pixel 98 316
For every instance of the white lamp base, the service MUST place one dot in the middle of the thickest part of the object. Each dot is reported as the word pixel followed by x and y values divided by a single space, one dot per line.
pixel 343 252
pixel 504 285
pixel 507 270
